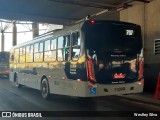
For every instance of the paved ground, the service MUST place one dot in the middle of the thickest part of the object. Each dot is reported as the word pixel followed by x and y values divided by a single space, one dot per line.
pixel 27 99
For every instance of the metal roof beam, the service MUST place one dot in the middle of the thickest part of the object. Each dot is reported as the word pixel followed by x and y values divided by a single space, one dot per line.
pixel 145 1
pixel 34 18
pixel 86 4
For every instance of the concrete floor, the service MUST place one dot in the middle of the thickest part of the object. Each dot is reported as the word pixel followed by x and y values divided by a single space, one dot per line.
pixel 27 99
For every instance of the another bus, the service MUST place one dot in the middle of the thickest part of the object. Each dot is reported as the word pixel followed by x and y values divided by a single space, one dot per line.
pixel 93 58
pixel 4 64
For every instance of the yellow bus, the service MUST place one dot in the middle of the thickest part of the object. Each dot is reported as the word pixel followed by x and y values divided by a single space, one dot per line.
pixel 92 58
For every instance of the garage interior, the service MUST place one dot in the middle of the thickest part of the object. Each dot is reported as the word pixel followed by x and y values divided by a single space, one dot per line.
pixel 143 12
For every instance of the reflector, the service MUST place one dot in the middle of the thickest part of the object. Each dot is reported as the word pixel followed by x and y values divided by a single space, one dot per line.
pixel 92 22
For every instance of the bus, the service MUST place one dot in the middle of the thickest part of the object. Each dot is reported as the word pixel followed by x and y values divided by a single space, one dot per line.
pixel 89 59
pixel 4 64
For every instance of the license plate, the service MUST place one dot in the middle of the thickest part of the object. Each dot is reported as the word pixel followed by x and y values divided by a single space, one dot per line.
pixel 119 89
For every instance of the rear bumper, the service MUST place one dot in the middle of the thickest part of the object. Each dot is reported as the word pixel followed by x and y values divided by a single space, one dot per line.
pixel 115 89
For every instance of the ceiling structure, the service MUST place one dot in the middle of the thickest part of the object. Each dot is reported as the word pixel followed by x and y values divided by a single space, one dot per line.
pixel 61 11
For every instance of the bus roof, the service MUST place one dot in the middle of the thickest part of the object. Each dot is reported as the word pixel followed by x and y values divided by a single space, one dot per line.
pixel 66 30
pixel 50 34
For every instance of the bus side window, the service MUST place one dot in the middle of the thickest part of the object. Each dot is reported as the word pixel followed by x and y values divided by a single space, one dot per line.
pixel 36 47
pixel 60 48
pixel 66 48
pixel 75 53
pixel 11 58
pixel 75 45
pixel 47 47
pixel 63 52
pixel 53 49
pixel 75 38
pixel 41 51
pixel 50 50
pixel 31 53
pixel 16 60
pixel 38 52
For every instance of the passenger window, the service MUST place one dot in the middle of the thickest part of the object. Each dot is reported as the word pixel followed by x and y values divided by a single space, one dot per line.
pixel 75 39
pixel 75 46
pixel 47 45
pixel 60 42
pixel 27 54
pixel 11 56
pixel 22 55
pixel 66 41
pixel 38 52
pixel 50 52
pixel 41 47
pixel 24 51
pixel 27 49
pixel 75 52
pixel 36 47
pixel 60 55
pixel 21 51
pixel 63 52
pixel 31 53
pixel 16 60
pixel 53 44
pixel 50 55
pixel 66 49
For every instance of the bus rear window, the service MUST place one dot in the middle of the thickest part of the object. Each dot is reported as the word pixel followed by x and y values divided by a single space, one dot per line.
pixel 113 36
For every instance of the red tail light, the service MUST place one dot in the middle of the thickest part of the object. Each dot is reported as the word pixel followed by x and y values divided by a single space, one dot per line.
pixel 90 68
pixel 141 83
pixel 141 69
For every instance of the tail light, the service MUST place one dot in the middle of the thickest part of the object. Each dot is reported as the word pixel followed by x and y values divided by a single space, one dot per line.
pixel 90 70
pixel 141 83
pixel 141 69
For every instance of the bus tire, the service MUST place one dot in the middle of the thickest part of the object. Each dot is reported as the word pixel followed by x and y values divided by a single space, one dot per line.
pixel 16 81
pixel 45 88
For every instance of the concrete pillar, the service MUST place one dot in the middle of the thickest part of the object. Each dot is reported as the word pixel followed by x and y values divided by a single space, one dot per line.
pixel 134 14
pixel 35 28
pixel 2 41
pixel 14 42
pixel 148 16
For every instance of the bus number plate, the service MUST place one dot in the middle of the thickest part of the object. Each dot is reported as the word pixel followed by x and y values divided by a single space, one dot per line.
pixel 119 89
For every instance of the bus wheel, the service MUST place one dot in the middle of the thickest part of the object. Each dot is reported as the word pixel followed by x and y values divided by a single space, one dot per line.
pixel 45 88
pixel 16 81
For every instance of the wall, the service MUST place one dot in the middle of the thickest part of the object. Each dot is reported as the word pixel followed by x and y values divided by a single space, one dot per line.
pixel 148 16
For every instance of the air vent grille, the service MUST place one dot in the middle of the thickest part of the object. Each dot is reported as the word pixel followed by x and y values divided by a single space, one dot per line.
pixel 157 46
